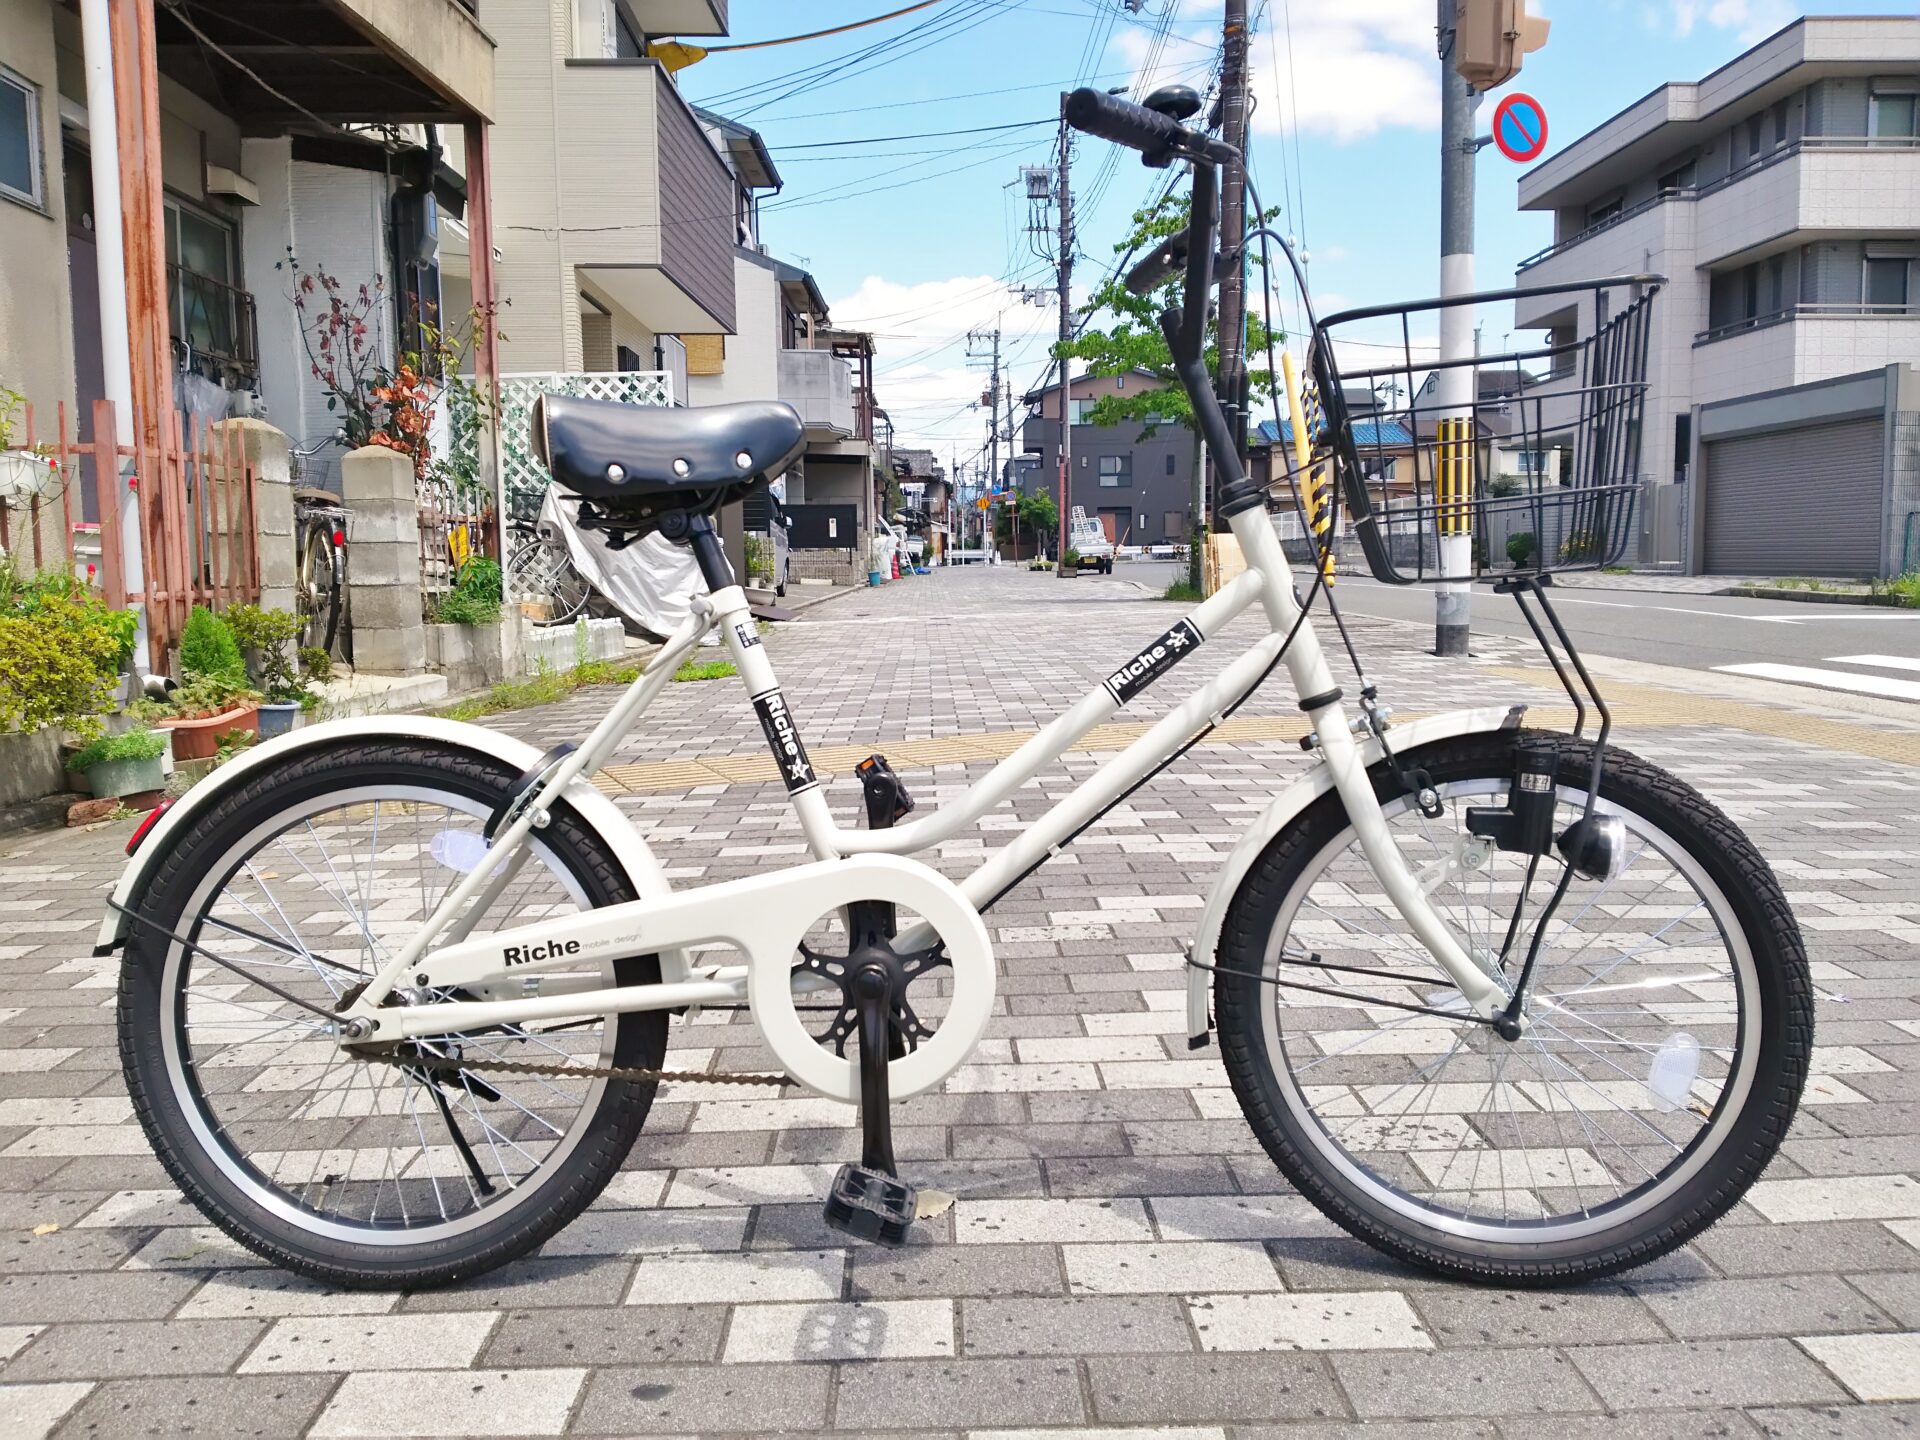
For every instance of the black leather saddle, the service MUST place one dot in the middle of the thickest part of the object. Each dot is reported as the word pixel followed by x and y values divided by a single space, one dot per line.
pixel 691 458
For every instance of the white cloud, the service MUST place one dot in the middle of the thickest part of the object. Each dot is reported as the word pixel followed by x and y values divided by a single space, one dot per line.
pixel 1356 68
pixel 922 379
pixel 1750 20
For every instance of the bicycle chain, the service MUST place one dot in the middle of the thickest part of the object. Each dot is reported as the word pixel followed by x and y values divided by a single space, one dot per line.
pixel 447 1065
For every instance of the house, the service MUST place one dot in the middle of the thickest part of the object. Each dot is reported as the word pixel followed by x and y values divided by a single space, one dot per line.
pixel 1139 485
pixel 262 154
pixel 617 213
pixel 925 498
pixel 1778 195
pixel 783 347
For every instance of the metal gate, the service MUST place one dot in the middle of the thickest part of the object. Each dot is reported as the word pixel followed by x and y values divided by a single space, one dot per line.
pixel 1796 502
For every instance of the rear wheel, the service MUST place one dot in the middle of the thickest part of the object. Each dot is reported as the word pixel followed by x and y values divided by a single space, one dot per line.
pixel 1669 1023
pixel 358 1170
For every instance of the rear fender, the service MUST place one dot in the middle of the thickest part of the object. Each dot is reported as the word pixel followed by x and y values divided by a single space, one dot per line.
pixel 1287 807
pixel 642 870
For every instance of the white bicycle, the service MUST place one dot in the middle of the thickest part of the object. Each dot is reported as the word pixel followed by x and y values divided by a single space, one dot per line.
pixel 1507 1004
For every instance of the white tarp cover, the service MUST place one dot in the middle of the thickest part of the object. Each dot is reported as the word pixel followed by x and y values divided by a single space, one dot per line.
pixel 651 581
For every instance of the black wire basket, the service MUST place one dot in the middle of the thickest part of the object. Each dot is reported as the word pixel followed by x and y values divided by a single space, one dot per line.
pixel 1508 465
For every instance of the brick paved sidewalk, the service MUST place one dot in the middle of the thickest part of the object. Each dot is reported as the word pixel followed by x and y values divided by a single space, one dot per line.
pixel 1123 1259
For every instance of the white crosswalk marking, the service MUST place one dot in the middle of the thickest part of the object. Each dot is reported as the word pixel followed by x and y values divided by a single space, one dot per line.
pixel 1883 686
pixel 1883 662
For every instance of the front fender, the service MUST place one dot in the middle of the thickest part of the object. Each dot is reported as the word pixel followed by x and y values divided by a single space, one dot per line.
pixel 1288 806
pixel 636 858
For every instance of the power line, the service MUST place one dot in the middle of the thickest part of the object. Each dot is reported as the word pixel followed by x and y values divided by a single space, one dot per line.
pixel 917 135
pixel 821 34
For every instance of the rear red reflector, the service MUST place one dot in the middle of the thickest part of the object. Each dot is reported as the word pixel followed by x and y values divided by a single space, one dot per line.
pixel 339 537
pixel 140 832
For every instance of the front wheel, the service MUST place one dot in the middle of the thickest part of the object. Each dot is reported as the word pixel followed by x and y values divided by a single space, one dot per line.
pixel 363 1170
pixel 1668 1026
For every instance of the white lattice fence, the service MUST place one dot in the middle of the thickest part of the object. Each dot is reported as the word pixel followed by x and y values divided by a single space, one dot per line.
pixel 525 478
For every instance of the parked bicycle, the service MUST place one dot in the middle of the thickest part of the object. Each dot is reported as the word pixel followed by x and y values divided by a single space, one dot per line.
pixel 1510 1004
pixel 320 543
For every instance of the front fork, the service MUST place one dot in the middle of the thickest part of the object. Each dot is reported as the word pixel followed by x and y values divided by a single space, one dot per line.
pixel 1346 764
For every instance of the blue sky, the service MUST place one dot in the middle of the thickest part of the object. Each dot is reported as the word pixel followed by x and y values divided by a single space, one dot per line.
pixel 917 239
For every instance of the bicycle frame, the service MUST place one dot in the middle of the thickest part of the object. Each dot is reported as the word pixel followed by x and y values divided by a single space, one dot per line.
pixel 499 963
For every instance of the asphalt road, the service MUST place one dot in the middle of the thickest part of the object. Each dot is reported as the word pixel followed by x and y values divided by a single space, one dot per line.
pixel 1859 649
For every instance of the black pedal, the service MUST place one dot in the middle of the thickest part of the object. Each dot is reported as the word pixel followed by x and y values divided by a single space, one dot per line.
pixel 870 1205
pixel 887 799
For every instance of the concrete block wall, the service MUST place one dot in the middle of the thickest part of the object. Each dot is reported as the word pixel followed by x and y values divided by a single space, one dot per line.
pixel 842 567
pixel 383 565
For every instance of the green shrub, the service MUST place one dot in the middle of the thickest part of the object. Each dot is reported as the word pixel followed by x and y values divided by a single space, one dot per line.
pixel 270 634
pixel 209 652
pixel 1072 557
pixel 1183 590
pixel 1520 547
pixel 1906 589
pixel 1503 485
pixel 476 597
pixel 317 663
pixel 133 745
pixel 61 649
pixel 1581 545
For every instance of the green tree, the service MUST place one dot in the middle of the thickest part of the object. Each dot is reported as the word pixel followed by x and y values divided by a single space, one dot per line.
pixel 1130 340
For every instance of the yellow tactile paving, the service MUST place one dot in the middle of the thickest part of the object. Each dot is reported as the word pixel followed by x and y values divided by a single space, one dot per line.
pixel 1635 707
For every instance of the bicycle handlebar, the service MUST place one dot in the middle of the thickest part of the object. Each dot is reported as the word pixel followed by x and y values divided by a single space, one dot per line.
pixel 1158 137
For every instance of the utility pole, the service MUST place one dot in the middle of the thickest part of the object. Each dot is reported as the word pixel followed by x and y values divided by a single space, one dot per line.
pixel 985 345
pixel 1235 103
pixel 1066 331
pixel 1454 385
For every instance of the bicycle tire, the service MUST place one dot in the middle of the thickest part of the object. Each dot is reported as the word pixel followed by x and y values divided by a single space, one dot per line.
pixel 322 588
pixel 236 1189
pixel 1358 1199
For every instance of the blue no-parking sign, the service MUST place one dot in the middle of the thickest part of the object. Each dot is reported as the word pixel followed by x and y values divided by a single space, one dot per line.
pixel 1520 128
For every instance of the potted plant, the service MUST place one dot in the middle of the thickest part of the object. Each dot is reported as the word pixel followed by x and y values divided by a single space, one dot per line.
pixel 125 764
pixel 23 472
pixel 1069 564
pixel 216 697
pixel 1520 548
pixel 266 637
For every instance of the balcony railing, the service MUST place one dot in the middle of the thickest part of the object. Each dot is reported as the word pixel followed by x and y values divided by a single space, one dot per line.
pixel 1732 177
pixel 819 384
pixel 212 320
pixel 1809 311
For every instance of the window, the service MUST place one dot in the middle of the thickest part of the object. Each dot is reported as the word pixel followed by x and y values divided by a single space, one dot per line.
pixel 1531 462
pixel 1119 382
pixel 1780 124
pixel 1079 409
pixel 1887 279
pixel 1894 115
pixel 1171 463
pixel 1116 471
pixel 20 175
pixel 1756 136
pixel 1176 530
pixel 1605 211
pixel 205 307
pixel 1681 177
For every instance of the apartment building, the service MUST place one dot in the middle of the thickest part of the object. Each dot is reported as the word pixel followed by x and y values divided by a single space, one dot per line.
pixel 1138 486
pixel 1780 196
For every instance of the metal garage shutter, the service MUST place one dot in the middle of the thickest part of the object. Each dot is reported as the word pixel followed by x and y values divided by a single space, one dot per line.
pixel 1796 502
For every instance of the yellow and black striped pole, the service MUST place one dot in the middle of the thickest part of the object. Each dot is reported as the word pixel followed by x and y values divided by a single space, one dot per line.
pixel 1453 477
pixel 1315 481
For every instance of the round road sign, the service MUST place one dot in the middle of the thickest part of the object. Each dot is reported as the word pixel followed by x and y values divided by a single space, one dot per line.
pixel 1520 128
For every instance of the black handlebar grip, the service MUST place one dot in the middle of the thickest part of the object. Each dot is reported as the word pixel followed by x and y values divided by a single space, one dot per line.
pixel 1122 121
pixel 1165 259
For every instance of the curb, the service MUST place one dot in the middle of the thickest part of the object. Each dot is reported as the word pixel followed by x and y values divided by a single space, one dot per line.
pixel 1814 597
